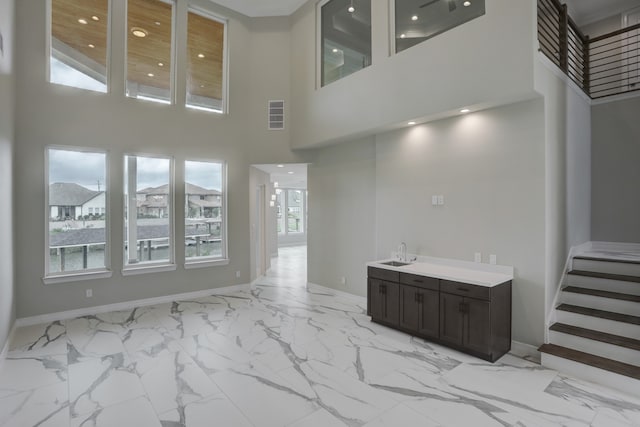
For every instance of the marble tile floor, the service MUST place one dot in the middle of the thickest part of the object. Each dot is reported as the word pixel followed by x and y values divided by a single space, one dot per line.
pixel 277 355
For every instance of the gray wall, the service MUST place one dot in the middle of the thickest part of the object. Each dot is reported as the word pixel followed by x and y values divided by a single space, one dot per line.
pixel 366 197
pixel 7 286
pixel 51 114
pixel 342 212
pixel 615 197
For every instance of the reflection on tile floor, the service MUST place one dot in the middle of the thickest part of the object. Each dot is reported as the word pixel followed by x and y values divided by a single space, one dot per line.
pixel 277 356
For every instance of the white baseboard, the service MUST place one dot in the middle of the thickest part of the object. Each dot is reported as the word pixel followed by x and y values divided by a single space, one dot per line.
pixel 336 292
pixel 127 305
pixel 525 351
pixel 5 348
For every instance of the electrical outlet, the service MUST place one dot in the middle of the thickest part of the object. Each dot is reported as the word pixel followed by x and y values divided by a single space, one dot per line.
pixel 89 293
pixel 493 259
pixel 477 257
pixel 238 274
pixel 434 200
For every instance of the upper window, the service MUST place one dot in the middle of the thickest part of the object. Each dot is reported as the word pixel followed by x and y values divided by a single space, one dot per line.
pixel 148 210
pixel 205 62
pixel 76 212
pixel 345 38
pixel 419 20
pixel 204 211
pixel 78 50
pixel 149 49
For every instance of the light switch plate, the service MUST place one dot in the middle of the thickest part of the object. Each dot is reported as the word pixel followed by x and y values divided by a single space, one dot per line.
pixel 477 257
pixel 440 200
pixel 493 259
pixel 434 200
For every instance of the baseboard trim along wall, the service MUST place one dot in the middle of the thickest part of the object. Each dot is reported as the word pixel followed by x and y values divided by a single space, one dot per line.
pixel 5 348
pixel 70 314
pixel 525 351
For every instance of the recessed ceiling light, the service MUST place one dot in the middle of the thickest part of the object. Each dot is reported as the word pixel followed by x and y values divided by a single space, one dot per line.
pixel 160 64
pixel 414 18
pixel 150 74
pixel 201 55
pixel 351 9
pixel 335 50
pixel 464 110
pixel 403 36
pixel 201 85
pixel 91 45
pixel 280 166
pixel 290 172
pixel 95 18
pixel 411 123
pixel 83 21
pixel 466 4
pixel 157 22
pixel 139 32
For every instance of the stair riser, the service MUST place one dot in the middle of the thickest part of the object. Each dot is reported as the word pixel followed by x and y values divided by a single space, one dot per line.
pixel 589 373
pixel 606 267
pixel 598 324
pixel 610 351
pixel 600 303
pixel 630 288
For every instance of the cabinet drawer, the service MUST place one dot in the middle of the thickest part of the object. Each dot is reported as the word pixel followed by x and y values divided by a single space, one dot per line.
pixel 419 281
pixel 383 274
pixel 466 290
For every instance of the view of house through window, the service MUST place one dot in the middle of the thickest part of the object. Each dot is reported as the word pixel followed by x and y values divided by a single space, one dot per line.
pixel 419 20
pixel 204 214
pixel 77 201
pixel 79 43
pixel 205 56
pixel 345 38
pixel 148 210
pixel 150 49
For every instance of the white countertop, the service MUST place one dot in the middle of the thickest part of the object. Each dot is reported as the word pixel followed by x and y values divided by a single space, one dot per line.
pixel 448 269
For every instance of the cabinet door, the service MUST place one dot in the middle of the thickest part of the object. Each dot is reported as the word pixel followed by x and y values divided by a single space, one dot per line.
pixel 451 318
pixel 429 305
pixel 477 335
pixel 385 301
pixel 409 308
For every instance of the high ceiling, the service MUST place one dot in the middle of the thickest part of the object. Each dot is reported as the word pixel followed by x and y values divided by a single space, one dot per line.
pixel 586 12
pixel 255 8
pixel 281 175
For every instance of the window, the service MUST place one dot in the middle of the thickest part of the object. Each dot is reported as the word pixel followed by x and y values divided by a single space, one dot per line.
pixel 150 49
pixel 279 210
pixel 345 38
pixel 78 45
pixel 419 20
pixel 205 217
pixel 76 241
pixel 294 211
pixel 206 76
pixel 148 210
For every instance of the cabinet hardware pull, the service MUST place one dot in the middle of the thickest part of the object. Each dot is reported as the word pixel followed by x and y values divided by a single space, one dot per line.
pixel 463 289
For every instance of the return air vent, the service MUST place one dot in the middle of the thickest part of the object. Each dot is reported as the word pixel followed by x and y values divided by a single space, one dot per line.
pixel 276 115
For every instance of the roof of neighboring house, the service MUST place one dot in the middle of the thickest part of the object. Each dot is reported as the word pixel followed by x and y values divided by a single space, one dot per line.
pixel 190 189
pixel 70 194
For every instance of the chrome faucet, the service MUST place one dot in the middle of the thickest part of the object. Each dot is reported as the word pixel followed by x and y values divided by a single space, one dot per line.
pixel 402 252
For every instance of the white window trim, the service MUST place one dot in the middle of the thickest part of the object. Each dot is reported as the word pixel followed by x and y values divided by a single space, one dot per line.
pixel 225 59
pixel 172 78
pixel 49 43
pixel 201 262
pixel 78 275
pixel 153 266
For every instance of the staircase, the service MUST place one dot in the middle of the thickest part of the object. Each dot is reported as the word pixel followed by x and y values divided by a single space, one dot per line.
pixel 596 335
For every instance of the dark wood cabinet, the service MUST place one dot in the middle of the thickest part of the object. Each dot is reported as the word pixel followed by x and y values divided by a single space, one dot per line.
pixel 471 318
pixel 384 301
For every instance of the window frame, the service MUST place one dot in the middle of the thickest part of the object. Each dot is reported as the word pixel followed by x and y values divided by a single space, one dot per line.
pixel 173 56
pixel 202 262
pixel 77 275
pixel 150 266
pixel 49 49
pixel 225 59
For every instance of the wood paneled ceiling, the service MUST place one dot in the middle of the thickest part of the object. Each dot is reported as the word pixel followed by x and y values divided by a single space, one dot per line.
pixel 82 26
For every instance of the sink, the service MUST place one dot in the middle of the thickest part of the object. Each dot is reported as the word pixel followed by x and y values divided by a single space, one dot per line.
pixel 395 263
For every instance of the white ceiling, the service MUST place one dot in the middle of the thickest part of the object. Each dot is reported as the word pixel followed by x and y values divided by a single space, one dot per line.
pixel 298 179
pixel 255 8
pixel 586 12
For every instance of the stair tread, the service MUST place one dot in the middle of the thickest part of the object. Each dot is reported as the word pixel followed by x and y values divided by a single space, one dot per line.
pixel 605 259
pixel 592 360
pixel 625 318
pixel 601 293
pixel 605 337
pixel 610 276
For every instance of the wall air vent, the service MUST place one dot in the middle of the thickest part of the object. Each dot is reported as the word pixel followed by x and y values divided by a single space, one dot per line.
pixel 276 115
